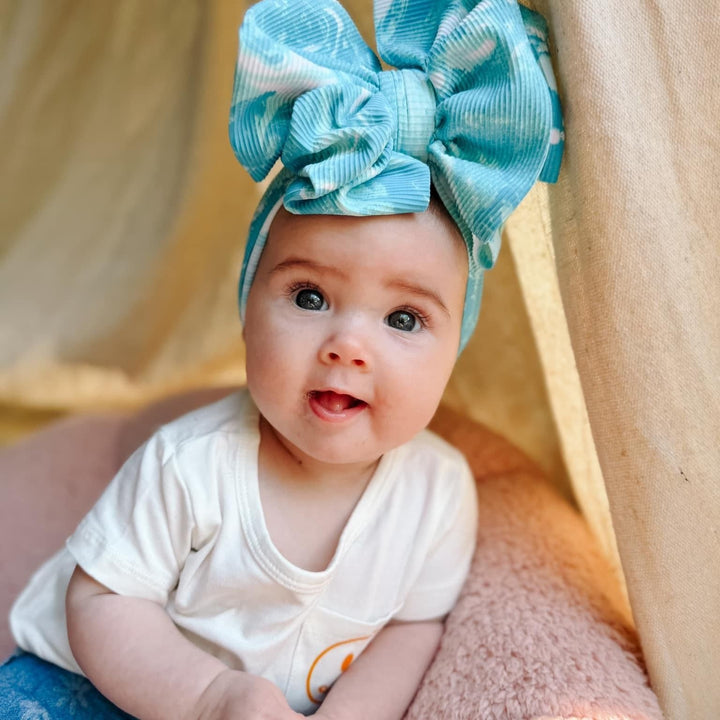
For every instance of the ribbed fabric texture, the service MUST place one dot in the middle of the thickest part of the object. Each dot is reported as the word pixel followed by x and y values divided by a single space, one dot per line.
pixel 473 106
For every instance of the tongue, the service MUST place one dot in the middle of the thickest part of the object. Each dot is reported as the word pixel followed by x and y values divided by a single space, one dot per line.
pixel 334 402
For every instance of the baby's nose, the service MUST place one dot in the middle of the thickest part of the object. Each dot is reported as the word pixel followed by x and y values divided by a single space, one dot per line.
pixel 336 357
pixel 346 348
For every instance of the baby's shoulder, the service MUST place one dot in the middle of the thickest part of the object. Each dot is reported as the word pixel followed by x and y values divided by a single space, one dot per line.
pixel 428 455
pixel 433 482
pixel 231 417
pixel 428 444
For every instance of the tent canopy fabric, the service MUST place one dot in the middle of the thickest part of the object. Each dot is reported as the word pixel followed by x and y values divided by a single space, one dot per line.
pixel 122 222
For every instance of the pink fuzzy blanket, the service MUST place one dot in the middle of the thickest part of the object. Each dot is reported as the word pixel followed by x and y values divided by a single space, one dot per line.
pixel 539 632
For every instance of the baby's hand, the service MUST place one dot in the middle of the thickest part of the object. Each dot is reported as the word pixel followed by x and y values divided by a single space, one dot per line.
pixel 235 695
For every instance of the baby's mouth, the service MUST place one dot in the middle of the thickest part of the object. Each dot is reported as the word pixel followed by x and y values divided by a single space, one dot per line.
pixel 334 402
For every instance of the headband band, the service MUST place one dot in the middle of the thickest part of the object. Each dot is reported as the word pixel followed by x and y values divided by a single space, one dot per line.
pixel 473 108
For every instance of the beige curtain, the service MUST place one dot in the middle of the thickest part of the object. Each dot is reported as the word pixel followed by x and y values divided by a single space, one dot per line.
pixel 636 226
pixel 123 212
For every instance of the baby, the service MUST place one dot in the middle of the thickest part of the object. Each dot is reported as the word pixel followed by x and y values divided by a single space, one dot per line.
pixel 294 548
pixel 271 536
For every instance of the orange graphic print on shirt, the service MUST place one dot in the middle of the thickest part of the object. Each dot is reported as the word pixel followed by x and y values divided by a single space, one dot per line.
pixel 331 663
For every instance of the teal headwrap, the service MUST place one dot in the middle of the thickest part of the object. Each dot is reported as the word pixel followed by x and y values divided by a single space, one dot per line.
pixel 473 107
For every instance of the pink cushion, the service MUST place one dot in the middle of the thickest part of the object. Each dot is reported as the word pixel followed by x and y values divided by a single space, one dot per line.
pixel 537 633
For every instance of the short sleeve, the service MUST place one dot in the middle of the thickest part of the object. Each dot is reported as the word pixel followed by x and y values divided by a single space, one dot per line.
pixel 437 587
pixel 137 536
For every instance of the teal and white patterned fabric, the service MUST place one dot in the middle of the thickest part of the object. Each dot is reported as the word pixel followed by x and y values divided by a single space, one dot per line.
pixel 473 108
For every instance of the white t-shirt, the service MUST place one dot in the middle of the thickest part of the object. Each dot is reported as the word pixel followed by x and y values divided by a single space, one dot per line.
pixel 182 525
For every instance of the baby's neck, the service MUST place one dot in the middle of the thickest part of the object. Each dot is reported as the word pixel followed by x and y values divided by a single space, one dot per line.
pixel 306 504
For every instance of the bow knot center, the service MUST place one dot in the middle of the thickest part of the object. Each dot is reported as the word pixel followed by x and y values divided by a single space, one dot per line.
pixel 412 97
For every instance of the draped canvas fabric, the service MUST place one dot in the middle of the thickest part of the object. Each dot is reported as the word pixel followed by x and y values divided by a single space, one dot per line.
pixel 636 228
pixel 122 222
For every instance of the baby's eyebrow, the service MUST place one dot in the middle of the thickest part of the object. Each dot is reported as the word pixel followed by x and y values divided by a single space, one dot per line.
pixel 294 263
pixel 421 290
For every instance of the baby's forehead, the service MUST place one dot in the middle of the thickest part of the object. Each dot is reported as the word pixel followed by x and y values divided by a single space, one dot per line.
pixel 435 220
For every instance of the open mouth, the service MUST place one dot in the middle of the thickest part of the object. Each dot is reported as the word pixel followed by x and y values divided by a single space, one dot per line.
pixel 334 403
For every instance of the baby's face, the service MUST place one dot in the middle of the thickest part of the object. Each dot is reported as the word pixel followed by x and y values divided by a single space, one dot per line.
pixel 352 328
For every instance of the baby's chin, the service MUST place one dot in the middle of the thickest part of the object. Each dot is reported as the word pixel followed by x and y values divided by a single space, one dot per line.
pixel 341 454
pixel 317 450
pixel 339 449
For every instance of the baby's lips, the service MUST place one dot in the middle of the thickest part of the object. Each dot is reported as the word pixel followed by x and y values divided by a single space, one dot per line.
pixel 335 402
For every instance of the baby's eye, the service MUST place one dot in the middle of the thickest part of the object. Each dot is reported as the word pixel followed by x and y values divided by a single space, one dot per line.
pixel 403 320
pixel 310 299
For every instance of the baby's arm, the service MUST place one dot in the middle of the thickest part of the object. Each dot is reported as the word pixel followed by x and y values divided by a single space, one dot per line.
pixel 381 683
pixel 132 652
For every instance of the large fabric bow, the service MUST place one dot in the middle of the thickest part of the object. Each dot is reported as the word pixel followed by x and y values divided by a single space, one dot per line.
pixel 473 106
